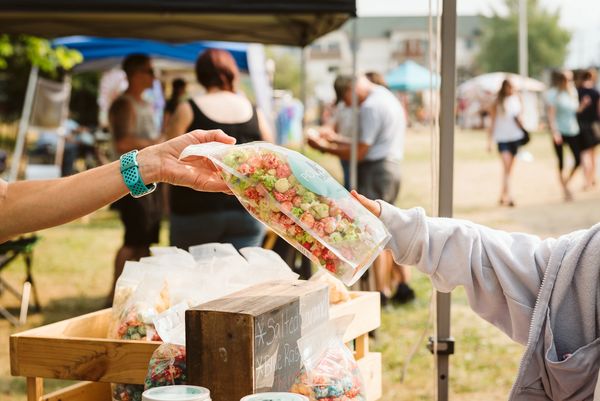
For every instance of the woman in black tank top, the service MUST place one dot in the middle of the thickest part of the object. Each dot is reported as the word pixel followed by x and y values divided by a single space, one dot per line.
pixel 201 217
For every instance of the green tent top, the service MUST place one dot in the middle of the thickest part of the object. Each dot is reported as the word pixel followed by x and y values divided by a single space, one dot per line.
pixel 297 22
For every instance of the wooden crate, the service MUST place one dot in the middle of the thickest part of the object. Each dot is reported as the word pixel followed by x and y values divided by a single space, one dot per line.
pixel 247 342
pixel 77 349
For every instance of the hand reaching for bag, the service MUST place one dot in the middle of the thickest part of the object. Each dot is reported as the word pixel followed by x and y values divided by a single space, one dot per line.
pixel 371 205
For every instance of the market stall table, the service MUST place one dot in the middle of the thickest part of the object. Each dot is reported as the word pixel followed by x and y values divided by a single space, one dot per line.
pixel 77 348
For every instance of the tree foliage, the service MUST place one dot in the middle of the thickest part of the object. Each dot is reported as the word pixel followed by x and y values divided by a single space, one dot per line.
pixel 547 41
pixel 287 71
pixel 17 55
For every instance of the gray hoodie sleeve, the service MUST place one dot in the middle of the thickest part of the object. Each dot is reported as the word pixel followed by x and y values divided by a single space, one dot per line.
pixel 500 272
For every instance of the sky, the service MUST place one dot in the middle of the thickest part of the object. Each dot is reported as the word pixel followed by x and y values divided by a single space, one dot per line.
pixel 581 17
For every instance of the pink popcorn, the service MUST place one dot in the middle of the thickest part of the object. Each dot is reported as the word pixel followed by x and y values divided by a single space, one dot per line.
pixel 290 194
pixel 307 219
pixel 269 161
pixel 252 193
pixel 328 255
pixel 329 224
pixel 319 228
pixel 297 201
pixel 255 162
pixel 334 210
pixel 283 171
pixel 246 169
pixel 287 206
pixel 279 196
pixel 286 221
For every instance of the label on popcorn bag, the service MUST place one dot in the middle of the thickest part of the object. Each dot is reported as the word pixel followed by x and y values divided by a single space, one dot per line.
pixel 314 177
pixel 302 203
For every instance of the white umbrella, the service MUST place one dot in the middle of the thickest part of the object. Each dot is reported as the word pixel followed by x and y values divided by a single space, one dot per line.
pixel 490 83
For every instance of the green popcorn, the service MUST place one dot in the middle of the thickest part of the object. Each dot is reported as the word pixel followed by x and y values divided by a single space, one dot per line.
pixel 300 190
pixel 336 237
pixel 296 211
pixel 351 236
pixel 235 158
pixel 258 174
pixel 320 210
pixel 269 181
pixel 308 197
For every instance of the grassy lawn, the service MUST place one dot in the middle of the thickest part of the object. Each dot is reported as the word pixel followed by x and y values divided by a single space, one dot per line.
pixel 73 267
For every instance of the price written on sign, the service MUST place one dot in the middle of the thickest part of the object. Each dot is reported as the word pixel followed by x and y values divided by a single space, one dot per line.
pixel 277 357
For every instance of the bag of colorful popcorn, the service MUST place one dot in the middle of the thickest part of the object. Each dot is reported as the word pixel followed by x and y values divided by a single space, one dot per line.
pixel 329 370
pixel 167 366
pixel 302 203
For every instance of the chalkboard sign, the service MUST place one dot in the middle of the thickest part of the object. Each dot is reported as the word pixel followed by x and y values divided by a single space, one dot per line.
pixel 247 342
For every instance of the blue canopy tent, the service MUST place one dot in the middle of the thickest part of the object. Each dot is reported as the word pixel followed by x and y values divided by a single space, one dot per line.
pixel 411 77
pixel 105 53
pixel 96 50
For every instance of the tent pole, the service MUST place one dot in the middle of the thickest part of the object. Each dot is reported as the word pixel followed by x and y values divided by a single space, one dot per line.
pixel 523 59
pixel 303 95
pixel 445 177
pixel 354 145
pixel 23 124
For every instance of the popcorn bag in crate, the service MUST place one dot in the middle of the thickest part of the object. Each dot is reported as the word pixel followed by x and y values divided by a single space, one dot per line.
pixel 167 366
pixel 302 203
pixel 329 370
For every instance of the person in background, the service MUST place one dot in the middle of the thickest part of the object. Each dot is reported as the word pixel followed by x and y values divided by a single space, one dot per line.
pixel 340 122
pixel 376 78
pixel 380 150
pixel 132 125
pixel 198 218
pixel 506 130
pixel 588 118
pixel 178 94
pixel 562 106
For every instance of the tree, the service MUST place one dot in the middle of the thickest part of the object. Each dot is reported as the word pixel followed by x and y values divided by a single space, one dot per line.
pixel 17 55
pixel 547 42
pixel 287 69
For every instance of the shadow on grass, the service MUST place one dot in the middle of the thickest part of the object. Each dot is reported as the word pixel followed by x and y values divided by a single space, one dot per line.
pixel 66 308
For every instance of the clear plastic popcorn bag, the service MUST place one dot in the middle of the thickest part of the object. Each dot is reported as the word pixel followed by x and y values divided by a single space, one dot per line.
pixel 329 370
pixel 302 203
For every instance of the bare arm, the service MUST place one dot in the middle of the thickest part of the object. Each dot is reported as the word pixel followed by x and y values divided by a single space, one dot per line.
pixel 341 149
pixel 263 126
pixel 27 206
pixel 122 122
pixel 180 120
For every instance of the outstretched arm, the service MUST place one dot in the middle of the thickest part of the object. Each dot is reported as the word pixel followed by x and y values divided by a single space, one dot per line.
pixel 27 206
pixel 501 272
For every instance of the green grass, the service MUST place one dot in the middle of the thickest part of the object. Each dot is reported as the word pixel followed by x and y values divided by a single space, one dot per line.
pixel 73 269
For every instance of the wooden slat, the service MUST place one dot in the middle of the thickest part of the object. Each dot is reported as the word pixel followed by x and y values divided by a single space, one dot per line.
pixel 85 391
pixel 365 306
pixel 370 369
pixel 102 360
pixel 35 388
pixel 361 346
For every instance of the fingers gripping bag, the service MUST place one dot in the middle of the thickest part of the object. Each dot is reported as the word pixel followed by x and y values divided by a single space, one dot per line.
pixel 302 203
pixel 329 370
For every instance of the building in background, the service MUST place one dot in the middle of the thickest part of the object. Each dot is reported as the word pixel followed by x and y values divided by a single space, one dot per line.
pixel 385 43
